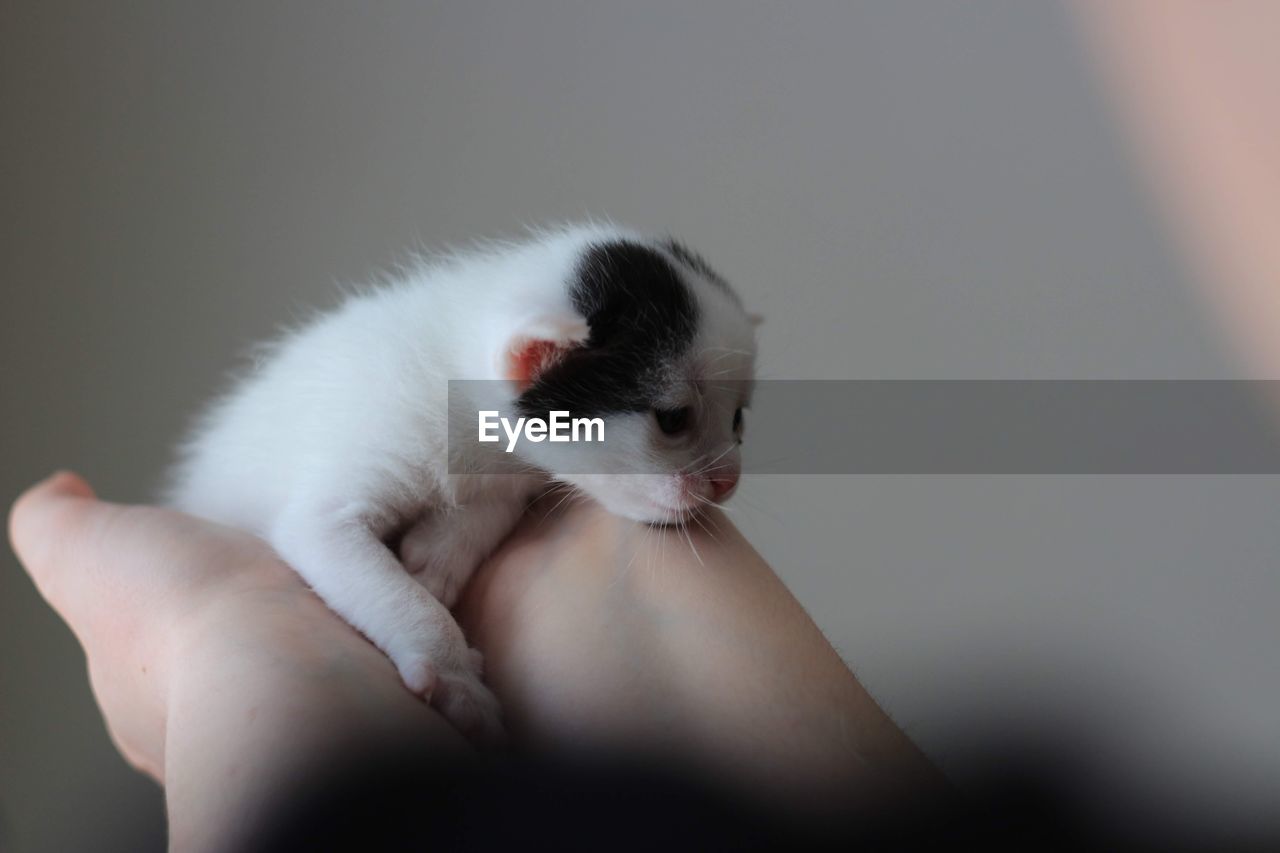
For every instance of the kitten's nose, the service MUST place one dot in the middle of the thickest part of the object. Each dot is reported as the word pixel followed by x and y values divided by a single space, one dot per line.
pixel 722 486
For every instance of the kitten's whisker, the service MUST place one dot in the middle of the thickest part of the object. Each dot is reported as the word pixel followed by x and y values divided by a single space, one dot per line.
pixel 635 552
pixel 726 351
pixel 761 508
pixel 707 530
pixel 568 495
pixel 694 548
pixel 548 490
pixel 570 491
pixel 720 456
pixel 710 466
pixel 684 469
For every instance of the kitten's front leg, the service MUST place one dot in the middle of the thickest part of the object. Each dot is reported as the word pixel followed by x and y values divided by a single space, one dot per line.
pixel 442 549
pixel 349 567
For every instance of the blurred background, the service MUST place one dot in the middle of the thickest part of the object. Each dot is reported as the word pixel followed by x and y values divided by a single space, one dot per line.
pixel 905 190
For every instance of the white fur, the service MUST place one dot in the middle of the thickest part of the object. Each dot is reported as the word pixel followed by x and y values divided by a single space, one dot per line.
pixel 338 439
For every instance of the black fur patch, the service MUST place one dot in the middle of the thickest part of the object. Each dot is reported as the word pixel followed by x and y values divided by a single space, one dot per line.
pixel 641 315
pixel 698 264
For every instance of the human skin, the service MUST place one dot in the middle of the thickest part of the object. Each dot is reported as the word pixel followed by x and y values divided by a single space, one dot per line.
pixel 220 675
pixel 1196 85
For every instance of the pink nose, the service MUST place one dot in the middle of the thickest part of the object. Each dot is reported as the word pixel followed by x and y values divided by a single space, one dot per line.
pixel 723 486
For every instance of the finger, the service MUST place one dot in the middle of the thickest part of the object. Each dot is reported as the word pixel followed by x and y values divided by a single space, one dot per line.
pixel 44 510
pixel 48 523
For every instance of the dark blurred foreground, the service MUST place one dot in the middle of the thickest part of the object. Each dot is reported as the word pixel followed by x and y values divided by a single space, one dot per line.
pixel 1029 801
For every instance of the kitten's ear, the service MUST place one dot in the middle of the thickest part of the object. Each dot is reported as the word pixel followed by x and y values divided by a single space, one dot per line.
pixel 538 344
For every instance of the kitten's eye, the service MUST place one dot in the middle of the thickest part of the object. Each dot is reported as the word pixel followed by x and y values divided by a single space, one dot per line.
pixel 737 422
pixel 673 421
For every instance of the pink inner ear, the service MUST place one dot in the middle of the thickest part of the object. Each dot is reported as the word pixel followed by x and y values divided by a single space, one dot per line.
pixel 530 359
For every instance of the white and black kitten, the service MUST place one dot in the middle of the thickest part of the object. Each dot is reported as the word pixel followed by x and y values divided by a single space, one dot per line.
pixel 337 442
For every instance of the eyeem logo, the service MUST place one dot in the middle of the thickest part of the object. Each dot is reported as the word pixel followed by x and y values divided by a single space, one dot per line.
pixel 560 428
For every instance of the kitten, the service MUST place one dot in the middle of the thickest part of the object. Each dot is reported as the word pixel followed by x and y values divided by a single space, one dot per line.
pixel 338 442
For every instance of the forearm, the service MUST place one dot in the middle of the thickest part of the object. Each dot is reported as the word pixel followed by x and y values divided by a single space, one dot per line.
pixel 603 633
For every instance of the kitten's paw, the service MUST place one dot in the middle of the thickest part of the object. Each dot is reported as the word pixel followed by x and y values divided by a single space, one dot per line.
pixel 471 707
pixel 458 694
pixel 419 674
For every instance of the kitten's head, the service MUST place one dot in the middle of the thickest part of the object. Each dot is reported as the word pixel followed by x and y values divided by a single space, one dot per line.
pixel 659 347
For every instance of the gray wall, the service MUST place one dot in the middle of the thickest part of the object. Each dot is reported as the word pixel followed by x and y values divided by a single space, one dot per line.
pixel 904 189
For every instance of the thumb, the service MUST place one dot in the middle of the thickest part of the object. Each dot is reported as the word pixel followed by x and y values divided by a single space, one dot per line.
pixel 48 524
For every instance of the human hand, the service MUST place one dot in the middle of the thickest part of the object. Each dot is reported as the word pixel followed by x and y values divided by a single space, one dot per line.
pixel 217 671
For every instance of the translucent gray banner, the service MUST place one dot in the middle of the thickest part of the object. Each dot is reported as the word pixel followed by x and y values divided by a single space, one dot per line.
pixel 965 427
